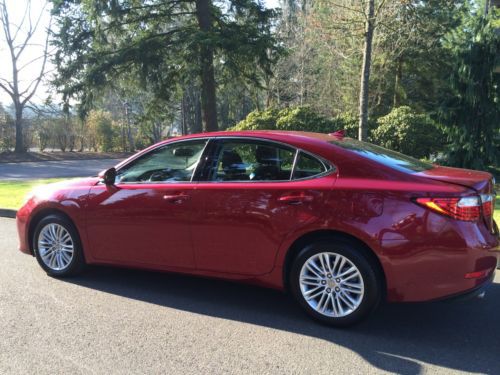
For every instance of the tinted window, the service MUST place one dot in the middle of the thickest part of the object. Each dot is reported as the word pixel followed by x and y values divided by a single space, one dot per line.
pixel 384 156
pixel 252 161
pixel 307 166
pixel 172 163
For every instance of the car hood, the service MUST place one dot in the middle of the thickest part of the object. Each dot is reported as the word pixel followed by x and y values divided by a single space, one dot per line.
pixel 73 183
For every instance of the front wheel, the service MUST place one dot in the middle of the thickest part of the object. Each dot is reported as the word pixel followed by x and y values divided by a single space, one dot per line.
pixel 335 282
pixel 57 247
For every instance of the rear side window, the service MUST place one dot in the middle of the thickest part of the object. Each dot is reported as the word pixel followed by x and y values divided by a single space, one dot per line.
pixel 242 160
pixel 307 166
pixel 392 159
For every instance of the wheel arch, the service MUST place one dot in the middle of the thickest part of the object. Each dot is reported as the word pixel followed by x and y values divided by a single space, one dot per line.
pixel 39 216
pixel 328 234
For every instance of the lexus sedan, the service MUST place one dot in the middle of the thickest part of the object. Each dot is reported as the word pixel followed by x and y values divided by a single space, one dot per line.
pixel 340 224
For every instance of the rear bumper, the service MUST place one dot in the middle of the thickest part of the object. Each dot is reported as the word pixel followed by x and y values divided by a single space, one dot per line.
pixel 478 291
pixel 442 264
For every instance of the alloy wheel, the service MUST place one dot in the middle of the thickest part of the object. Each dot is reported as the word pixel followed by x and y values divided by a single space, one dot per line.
pixel 331 284
pixel 55 246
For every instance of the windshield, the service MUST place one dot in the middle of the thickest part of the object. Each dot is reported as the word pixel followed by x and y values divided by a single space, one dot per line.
pixel 384 156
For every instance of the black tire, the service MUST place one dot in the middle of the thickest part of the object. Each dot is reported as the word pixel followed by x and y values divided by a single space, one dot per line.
pixel 371 283
pixel 77 262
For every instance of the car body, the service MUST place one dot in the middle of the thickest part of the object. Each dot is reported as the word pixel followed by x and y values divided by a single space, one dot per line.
pixel 252 200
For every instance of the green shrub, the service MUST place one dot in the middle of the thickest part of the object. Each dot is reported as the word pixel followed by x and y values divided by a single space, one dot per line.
pixel 259 120
pixel 408 132
pixel 302 118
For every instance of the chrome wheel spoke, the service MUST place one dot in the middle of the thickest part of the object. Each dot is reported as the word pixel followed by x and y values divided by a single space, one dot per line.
pixel 348 301
pixel 65 258
pixel 325 263
pixel 319 270
pixel 336 310
pixel 331 284
pixel 53 261
pixel 321 306
pixel 47 256
pixel 313 270
pixel 350 271
pixel 310 280
pixel 313 293
pixel 340 266
pixel 351 288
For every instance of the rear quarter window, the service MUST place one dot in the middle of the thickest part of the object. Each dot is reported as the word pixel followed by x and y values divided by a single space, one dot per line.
pixel 308 166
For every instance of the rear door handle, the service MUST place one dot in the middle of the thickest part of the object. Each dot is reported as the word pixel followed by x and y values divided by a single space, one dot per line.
pixel 296 198
pixel 175 198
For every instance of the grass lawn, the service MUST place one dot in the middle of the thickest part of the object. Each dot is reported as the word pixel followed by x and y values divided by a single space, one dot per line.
pixel 12 193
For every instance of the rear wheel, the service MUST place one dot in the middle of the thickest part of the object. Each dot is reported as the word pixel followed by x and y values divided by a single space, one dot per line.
pixel 335 283
pixel 57 247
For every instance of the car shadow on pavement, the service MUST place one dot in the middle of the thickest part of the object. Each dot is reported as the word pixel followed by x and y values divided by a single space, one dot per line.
pixel 397 338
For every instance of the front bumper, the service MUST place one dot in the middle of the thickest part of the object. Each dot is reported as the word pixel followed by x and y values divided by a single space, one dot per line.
pixel 22 222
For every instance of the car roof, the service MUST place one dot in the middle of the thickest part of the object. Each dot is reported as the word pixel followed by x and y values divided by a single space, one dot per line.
pixel 297 138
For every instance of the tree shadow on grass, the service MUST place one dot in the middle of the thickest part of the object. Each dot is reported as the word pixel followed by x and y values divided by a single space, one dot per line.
pixel 456 335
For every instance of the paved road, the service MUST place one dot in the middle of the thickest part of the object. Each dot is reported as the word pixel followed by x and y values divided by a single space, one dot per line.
pixel 49 169
pixel 112 321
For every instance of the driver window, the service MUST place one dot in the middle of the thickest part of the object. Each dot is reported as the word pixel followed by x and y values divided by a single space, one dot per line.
pixel 175 162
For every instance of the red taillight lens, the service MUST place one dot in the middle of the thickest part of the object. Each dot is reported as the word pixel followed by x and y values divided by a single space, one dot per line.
pixel 466 208
pixel 487 200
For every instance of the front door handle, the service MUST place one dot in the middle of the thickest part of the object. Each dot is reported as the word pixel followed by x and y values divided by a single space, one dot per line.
pixel 175 198
pixel 296 198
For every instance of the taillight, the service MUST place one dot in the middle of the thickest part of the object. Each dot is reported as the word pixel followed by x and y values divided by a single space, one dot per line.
pixel 465 208
pixel 487 200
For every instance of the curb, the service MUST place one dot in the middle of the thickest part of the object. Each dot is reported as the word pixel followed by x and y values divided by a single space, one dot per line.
pixel 8 213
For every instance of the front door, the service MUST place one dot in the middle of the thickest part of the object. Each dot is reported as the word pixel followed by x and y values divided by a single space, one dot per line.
pixel 144 218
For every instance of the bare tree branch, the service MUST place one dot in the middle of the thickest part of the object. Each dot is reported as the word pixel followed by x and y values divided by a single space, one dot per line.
pixel 11 32
pixel 42 69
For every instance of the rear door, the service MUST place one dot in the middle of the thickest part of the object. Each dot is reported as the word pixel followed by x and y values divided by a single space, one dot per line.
pixel 255 194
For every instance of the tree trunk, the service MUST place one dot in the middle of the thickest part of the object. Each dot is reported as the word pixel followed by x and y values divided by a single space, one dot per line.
pixel 207 75
pixel 183 114
pixel 397 82
pixel 365 71
pixel 19 129
pixel 131 143
pixel 198 122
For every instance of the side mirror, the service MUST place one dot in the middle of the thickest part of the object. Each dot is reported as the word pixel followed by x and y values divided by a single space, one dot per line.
pixel 108 176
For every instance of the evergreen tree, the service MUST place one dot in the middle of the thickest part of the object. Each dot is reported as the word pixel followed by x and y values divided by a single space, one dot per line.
pixel 162 43
pixel 472 111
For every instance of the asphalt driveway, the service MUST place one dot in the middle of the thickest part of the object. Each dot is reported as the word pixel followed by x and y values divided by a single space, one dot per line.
pixel 49 169
pixel 117 321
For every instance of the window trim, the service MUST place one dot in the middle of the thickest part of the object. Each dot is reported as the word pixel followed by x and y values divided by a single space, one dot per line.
pixel 200 161
pixel 330 168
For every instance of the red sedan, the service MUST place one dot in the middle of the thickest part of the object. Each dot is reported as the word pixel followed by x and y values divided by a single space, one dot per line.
pixel 341 224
